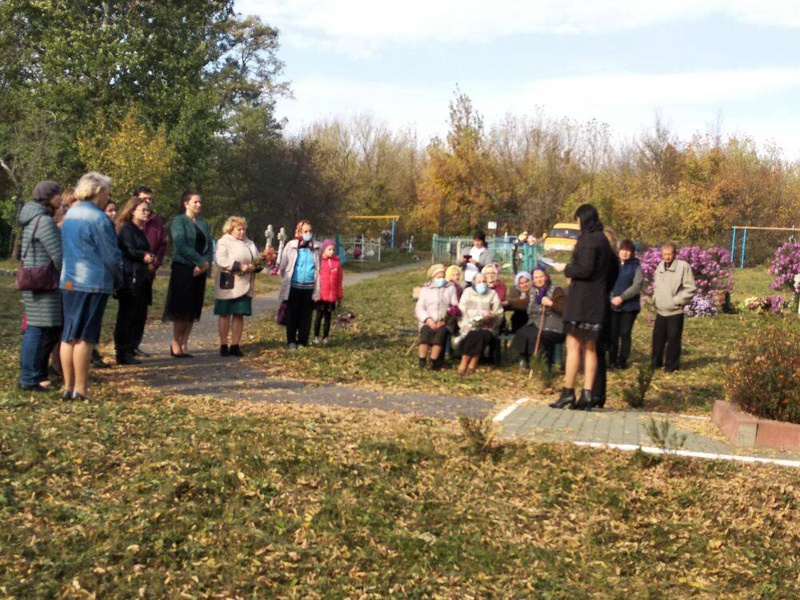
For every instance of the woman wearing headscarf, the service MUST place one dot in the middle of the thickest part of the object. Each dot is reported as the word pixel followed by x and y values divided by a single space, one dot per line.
pixel 479 325
pixel 40 244
pixel 453 276
pixel 234 284
pixel 92 270
pixel 437 300
pixel 545 307
pixel 191 262
pixel 592 271
pixel 300 287
pixel 136 292
pixel 517 300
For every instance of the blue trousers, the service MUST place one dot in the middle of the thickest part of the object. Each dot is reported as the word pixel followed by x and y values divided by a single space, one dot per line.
pixel 34 355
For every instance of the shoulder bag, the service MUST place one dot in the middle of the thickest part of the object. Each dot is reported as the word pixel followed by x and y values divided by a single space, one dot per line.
pixel 36 279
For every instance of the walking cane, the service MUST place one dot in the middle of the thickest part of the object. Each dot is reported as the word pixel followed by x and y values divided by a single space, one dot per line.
pixel 538 338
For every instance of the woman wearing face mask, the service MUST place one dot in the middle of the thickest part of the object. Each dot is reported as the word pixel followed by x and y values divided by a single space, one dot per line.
pixel 300 286
pixel 480 322
pixel 436 301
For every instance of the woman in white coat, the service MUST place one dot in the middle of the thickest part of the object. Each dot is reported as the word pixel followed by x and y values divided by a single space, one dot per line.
pixel 234 284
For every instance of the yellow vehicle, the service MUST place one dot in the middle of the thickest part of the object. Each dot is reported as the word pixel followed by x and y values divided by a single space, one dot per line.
pixel 562 237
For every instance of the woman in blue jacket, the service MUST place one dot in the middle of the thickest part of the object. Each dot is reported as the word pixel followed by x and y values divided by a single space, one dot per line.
pixel 92 270
pixel 625 305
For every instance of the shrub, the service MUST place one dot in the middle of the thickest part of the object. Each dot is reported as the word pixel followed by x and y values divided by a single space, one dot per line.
pixel 785 265
pixel 635 392
pixel 713 275
pixel 763 380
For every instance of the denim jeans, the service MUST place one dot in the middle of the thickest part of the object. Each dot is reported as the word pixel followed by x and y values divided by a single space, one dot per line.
pixel 34 355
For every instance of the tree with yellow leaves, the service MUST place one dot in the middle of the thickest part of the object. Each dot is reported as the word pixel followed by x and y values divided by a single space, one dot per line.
pixel 130 151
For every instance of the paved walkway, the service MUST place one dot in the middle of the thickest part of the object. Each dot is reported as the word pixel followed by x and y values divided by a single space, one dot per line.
pixel 624 429
pixel 209 374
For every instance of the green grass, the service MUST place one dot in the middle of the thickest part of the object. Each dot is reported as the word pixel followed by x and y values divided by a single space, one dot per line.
pixel 379 351
pixel 152 496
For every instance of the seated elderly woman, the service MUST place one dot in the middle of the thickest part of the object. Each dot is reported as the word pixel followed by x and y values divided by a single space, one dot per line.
pixel 492 272
pixel 544 329
pixel 481 311
pixel 453 277
pixel 436 301
pixel 517 300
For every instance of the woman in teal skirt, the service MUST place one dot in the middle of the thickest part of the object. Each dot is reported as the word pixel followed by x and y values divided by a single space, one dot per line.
pixel 236 259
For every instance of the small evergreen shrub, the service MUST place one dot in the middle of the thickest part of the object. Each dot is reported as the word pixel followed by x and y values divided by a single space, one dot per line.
pixel 764 379
pixel 635 392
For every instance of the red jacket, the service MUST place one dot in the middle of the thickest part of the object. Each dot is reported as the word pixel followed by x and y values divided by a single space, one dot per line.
pixel 330 280
pixel 154 230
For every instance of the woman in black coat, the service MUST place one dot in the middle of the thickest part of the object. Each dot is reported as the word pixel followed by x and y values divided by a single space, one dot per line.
pixel 137 291
pixel 592 270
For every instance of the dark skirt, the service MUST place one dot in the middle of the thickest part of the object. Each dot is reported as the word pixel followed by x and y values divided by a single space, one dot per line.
pixel 475 342
pixel 242 305
pixel 83 316
pixel 585 332
pixel 433 337
pixel 524 340
pixel 185 294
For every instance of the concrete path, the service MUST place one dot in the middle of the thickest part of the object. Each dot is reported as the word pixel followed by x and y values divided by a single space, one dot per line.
pixel 626 429
pixel 209 374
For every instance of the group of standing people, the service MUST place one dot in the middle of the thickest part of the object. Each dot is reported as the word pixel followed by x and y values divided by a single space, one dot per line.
pixel 96 252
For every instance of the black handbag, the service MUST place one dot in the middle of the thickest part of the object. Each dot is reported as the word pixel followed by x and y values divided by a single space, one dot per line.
pixel 36 279
pixel 226 280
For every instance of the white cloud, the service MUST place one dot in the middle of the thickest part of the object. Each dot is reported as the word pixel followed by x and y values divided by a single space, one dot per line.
pixel 627 102
pixel 363 27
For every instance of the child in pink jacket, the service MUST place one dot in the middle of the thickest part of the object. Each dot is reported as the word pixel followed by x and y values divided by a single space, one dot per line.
pixel 331 290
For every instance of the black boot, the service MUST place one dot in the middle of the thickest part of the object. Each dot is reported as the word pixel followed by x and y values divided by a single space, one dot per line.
pixel 223 350
pixel 235 351
pixel 598 401
pixel 585 403
pixel 126 357
pixel 421 363
pixel 567 398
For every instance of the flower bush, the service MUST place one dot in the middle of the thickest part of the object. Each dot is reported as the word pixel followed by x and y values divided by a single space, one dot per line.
pixel 700 306
pixel 785 266
pixel 767 305
pixel 713 275
pixel 763 380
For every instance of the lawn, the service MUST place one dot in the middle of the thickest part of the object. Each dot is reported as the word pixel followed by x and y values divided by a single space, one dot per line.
pixel 152 496
pixel 378 351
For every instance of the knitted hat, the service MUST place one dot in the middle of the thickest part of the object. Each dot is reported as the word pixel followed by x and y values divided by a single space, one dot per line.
pixel 521 275
pixel 434 269
pixel 325 244
pixel 490 268
pixel 45 190
pixel 452 270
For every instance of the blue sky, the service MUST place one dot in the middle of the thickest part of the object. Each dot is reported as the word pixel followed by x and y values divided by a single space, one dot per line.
pixel 695 63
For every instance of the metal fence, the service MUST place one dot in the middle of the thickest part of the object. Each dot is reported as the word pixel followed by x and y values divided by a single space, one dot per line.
pixel 450 249
pixel 361 249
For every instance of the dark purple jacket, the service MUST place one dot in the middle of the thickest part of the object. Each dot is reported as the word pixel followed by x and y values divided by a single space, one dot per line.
pixel 154 230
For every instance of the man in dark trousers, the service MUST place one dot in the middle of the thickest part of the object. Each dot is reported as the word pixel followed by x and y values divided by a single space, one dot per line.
pixel 154 230
pixel 673 288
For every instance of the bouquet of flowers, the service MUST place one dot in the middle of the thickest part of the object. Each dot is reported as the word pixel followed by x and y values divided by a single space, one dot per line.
pixel 765 305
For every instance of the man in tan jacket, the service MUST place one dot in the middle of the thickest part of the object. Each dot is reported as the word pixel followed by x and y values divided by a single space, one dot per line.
pixel 673 288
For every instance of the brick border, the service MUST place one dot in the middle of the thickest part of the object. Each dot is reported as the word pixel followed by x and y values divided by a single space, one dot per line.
pixel 744 430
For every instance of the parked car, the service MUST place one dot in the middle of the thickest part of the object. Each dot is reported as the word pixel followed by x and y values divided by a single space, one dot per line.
pixel 562 237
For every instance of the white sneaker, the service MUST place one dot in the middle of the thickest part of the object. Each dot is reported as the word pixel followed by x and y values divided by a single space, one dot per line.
pixel 292 346
pixel 316 341
pixel 325 341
